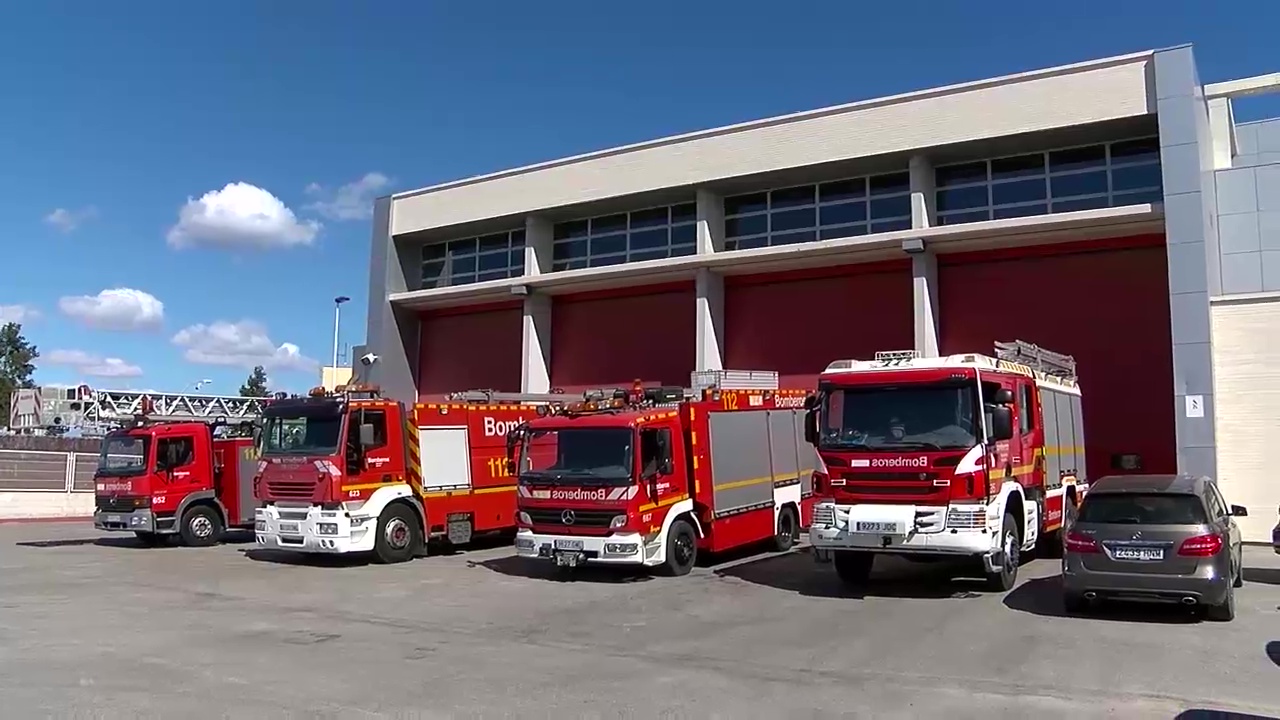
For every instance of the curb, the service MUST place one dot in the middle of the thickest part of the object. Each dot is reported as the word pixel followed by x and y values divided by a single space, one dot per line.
pixel 24 521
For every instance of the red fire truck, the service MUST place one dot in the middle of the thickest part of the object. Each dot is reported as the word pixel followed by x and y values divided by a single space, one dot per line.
pixel 190 479
pixel 966 455
pixel 352 471
pixel 651 477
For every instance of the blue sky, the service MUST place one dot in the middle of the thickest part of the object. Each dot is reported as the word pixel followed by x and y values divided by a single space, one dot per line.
pixel 125 121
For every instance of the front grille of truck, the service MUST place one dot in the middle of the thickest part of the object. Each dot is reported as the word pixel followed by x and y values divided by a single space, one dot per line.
pixel 291 489
pixel 121 504
pixel 587 519
pixel 903 485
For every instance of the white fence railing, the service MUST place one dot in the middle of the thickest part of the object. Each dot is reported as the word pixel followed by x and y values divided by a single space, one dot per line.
pixel 45 471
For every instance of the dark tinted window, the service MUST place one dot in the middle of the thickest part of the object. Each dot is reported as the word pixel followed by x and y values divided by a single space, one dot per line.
pixel 1142 509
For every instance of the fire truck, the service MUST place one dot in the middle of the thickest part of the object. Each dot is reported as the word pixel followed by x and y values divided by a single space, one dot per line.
pixel 963 456
pixel 654 476
pixel 190 479
pixel 354 472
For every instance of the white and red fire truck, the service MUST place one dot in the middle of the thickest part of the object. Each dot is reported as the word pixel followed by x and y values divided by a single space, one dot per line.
pixel 966 455
pixel 653 476
pixel 352 471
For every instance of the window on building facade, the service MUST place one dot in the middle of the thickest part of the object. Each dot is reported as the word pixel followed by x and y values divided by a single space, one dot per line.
pixel 651 234
pixel 1082 178
pixel 858 206
pixel 476 259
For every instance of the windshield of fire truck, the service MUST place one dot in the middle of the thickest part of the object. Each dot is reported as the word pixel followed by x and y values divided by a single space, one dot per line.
pixel 599 455
pixel 123 455
pixel 303 431
pixel 936 416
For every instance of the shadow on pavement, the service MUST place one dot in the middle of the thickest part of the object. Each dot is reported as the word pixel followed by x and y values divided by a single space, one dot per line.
pixel 1263 576
pixel 515 566
pixel 233 537
pixel 283 557
pixel 1043 596
pixel 1201 714
pixel 892 577
pixel 1273 652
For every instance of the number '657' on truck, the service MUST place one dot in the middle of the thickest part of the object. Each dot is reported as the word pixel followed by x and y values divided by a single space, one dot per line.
pixel 966 455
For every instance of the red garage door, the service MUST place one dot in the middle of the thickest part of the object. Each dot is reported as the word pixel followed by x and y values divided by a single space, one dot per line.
pixel 470 348
pixel 797 323
pixel 610 339
pixel 1106 303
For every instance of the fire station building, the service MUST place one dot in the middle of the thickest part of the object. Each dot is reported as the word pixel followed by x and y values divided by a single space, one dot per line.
pixel 1112 210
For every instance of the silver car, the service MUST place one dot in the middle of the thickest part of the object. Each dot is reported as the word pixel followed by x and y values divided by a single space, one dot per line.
pixel 1154 538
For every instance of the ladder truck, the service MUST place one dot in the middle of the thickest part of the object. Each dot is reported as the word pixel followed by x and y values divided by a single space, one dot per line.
pixel 651 477
pixel 353 472
pixel 967 455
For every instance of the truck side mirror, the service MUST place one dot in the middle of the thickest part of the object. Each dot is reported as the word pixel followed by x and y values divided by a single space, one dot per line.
pixel 1001 423
pixel 367 439
pixel 1003 396
pixel 810 402
pixel 811 426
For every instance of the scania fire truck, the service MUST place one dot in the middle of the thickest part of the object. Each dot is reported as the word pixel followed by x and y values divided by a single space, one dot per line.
pixel 352 471
pixel 190 479
pixel 966 455
pixel 652 476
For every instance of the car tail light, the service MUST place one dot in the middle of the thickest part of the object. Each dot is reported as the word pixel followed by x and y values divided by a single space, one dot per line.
pixel 1081 543
pixel 1201 546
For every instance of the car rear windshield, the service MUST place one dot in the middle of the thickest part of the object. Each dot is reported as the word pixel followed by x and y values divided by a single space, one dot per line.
pixel 1142 509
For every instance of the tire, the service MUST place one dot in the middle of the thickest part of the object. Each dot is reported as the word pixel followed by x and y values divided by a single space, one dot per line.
pixel 784 537
pixel 1006 577
pixel 853 568
pixel 682 549
pixel 1239 581
pixel 1224 611
pixel 399 537
pixel 201 526
pixel 1074 603
pixel 151 539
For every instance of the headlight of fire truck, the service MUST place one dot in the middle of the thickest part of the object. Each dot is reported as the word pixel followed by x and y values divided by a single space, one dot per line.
pixel 523 518
pixel 617 522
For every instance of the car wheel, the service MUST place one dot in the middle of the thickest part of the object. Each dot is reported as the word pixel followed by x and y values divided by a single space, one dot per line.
pixel 1239 581
pixel 1006 577
pixel 1224 611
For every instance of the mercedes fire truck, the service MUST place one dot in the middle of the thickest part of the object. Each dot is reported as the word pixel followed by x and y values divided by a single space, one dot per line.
pixel 352 471
pixel 654 476
pixel 962 456
pixel 189 479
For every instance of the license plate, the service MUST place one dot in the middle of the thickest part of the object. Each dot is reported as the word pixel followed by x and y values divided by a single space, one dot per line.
pixel 1144 554
pixel 879 528
pixel 114 519
pixel 572 545
pixel 568 559
pixel 290 527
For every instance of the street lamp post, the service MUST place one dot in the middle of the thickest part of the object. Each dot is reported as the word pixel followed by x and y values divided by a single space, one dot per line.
pixel 337 322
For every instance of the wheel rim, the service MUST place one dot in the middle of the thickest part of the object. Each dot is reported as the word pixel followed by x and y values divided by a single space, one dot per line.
pixel 397 534
pixel 1010 554
pixel 201 526
pixel 683 548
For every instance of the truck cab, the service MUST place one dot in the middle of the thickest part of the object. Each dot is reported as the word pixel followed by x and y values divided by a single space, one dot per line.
pixel 606 480
pixel 175 478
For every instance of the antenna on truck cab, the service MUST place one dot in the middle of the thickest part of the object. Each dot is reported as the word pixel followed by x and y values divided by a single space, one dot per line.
pixel 1037 358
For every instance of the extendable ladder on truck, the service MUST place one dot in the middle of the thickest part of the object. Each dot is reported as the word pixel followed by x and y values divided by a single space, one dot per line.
pixel 1037 358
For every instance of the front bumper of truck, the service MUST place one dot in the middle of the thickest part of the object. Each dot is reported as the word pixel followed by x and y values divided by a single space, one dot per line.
pixel 572 550
pixel 140 520
pixel 313 529
pixel 956 530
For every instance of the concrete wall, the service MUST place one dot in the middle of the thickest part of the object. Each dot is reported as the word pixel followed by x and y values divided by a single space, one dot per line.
pixel 1248 205
pixel 35 505
pixel 1257 143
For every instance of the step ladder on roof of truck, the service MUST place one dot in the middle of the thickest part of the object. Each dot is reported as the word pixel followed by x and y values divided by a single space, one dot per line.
pixel 699 380
pixel 1017 356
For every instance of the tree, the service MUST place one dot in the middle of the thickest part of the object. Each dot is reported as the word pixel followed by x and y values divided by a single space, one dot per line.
pixel 17 365
pixel 256 384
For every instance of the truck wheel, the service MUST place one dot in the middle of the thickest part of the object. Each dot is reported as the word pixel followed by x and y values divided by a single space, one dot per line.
pixel 853 568
pixel 1003 579
pixel 150 539
pixel 682 549
pixel 201 526
pixel 399 535
pixel 785 537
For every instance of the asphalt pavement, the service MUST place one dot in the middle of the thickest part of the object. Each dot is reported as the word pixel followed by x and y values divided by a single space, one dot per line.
pixel 94 626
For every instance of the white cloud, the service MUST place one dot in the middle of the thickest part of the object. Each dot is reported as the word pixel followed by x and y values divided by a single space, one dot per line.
pixel 93 365
pixel 353 201
pixel 240 344
pixel 115 309
pixel 68 220
pixel 240 216
pixel 18 314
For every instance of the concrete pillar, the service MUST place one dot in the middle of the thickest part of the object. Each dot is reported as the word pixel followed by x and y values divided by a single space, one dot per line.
pixel 391 333
pixel 709 306
pixel 710 222
pixel 535 365
pixel 923 208
pixel 538 239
